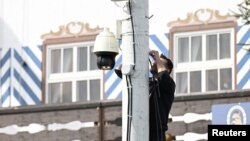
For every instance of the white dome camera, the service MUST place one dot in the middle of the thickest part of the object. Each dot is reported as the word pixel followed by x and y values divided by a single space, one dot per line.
pixel 105 48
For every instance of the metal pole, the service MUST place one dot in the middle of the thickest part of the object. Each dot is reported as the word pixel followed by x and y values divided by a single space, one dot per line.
pixel 135 48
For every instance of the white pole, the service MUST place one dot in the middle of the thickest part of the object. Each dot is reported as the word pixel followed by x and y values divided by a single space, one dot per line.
pixel 135 48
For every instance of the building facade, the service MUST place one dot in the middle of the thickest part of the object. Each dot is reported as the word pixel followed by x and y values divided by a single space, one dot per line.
pixel 46 57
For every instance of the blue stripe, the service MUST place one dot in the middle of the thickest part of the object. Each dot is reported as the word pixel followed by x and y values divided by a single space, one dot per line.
pixel 244 80
pixel 26 87
pixel 119 95
pixel 40 47
pixel 110 72
pixel 243 40
pixel 159 44
pixel 5 58
pixel 33 57
pixel 5 76
pixel 19 98
pixel 167 35
pixel 243 61
pixel 112 87
pixel 5 95
pixel 18 57
pixel 29 71
pixel 238 28
pixel 33 77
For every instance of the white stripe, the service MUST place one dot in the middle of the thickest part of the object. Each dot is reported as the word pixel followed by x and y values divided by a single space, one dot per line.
pixel 164 40
pixel 242 32
pixel 14 102
pixel 247 86
pixel 240 55
pixel 33 66
pixel 20 51
pixel 5 68
pixel 5 86
pixel 37 52
pixel 115 93
pixel 243 71
pixel 27 79
pixel 16 83
pixel 6 103
pixel 153 46
pixel 110 81
pixel 24 95
pixel 30 83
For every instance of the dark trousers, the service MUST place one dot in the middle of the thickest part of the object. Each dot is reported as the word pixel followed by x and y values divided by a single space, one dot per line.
pixel 154 136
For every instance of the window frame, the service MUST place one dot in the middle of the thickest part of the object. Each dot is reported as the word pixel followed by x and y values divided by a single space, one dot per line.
pixel 196 30
pixel 54 43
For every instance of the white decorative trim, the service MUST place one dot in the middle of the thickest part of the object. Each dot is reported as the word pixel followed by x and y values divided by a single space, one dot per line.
pixel 191 137
pixel 14 129
pixel 74 125
pixel 36 128
pixel 191 117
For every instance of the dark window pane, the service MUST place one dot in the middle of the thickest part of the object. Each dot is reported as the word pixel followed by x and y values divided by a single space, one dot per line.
pixel 183 53
pixel 82 55
pixel 181 82
pixel 68 60
pixel 196 49
pixel 211 48
pixel 55 61
pixel 211 80
pixel 82 90
pixel 67 92
pixel 224 46
pixel 93 59
pixel 226 79
pixel 95 89
pixel 54 92
pixel 195 81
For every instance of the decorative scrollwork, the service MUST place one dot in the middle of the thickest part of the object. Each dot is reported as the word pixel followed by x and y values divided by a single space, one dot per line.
pixel 201 16
pixel 72 29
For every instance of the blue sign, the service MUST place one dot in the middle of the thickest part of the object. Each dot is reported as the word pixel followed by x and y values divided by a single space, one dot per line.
pixel 231 114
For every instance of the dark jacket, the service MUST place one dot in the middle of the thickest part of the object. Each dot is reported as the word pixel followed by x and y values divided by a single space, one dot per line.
pixel 161 99
pixel 161 92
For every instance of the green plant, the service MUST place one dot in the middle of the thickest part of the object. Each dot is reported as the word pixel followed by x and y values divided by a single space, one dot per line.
pixel 244 12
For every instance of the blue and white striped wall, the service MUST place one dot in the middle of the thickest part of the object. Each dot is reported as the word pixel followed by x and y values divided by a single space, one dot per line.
pixel 21 70
pixel 5 77
pixel 243 58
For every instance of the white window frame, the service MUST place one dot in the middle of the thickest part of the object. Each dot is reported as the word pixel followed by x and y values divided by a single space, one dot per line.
pixel 204 65
pixel 75 75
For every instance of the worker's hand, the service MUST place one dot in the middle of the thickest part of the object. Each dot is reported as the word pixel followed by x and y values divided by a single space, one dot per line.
pixel 155 55
pixel 158 61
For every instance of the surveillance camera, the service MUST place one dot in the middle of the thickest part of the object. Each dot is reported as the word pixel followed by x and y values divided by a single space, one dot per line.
pixel 105 48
